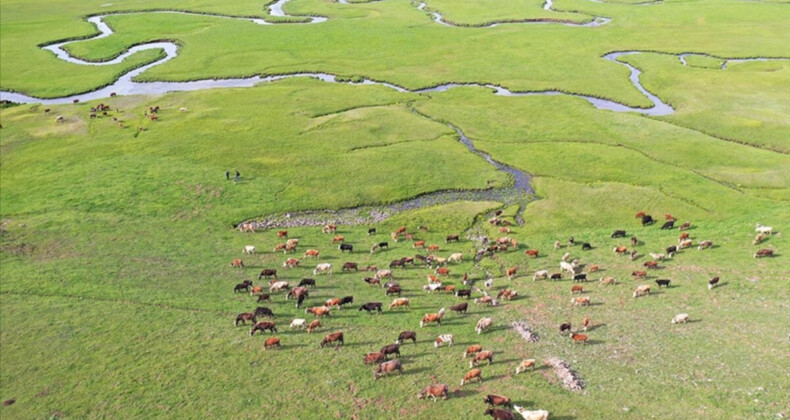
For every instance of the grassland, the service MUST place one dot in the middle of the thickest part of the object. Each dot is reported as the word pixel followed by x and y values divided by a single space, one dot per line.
pixel 115 291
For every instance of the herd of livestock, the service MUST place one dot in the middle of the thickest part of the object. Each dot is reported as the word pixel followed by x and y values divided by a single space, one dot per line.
pixel 440 269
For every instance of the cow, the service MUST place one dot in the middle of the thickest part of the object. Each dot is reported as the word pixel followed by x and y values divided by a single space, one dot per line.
pixel 452 238
pixel 566 257
pixel 323 268
pixel 298 323
pixel 671 250
pixel 388 367
pixel 670 224
pixel 526 363
pixel 532 414
pixel 499 414
pixel 642 290
pixel 267 272
pixel 647 220
pixel 618 234
pixel 430 318
pixel 345 300
pixel 686 243
pixel 313 326
pixel 371 231
pixel 586 246
pixel 579 338
pixel 586 322
pixel 464 293
pixel 713 282
pixel 580 301
pixel 460 308
pixel 370 307
pixel 580 277
pixel 406 335
pixel 418 244
pixel 483 325
pixel 531 253
pixel 680 318
pixel 249 249
pixel 566 266
pixel 540 274
pixel 496 400
pixel 291 263
pixel 685 226
pixel 444 339
pixel 331 338
pixel 608 280
pixel 278 285
pixel 374 358
pixel 393 290
pixel 350 266
pixel 399 303
pixel 296 292
pixel 384 273
pixel 262 326
pixel 565 327
pixel 271 342
pixel 307 283
pixel 593 268
pixel 237 263
pixel 474 374
pixel 765 252
pixel 289 248
pixel 390 349
pixel 245 285
pixel 507 294
pixel 332 302
pixel 346 247
pixel 557 245
pixel 651 264
pixel 434 391
pixel 620 250
pixel 300 299
pixel 634 241
pixel 486 355
pixel 318 311
pixel 663 282
pixel 397 263
pixel 641 273
pixel 511 272
pixel 372 281
pixel 640 215
pixel 329 229
pixel 311 253
pixel 577 289
pixel 657 257
pixel 767 230
pixel 442 271
pixel 456 257
pixel 472 350
pixel 485 299
pixel 282 234
pixel 684 235
pixel 556 276
pixel 262 311
pixel 243 318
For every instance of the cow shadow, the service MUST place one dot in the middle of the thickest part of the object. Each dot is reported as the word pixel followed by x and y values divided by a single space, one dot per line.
pixel 463 393
pixel 722 284
pixel 506 361
pixel 595 326
pixel 563 417
pixel 694 321
pixel 495 377
pixel 360 344
pixel 418 370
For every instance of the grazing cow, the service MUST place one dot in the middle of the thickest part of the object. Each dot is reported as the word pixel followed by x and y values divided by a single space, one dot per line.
pixel 633 255
pixel 434 391
pixel 713 282
pixel 685 243
pixel 640 215
pixel 346 247
pixel 262 327
pixel 579 338
pixel 289 248
pixel 338 239
pixel 372 281
pixel 370 307
pixel 620 250
pixel 618 234
pixel 384 273
pixel 511 272
pixel 663 282
pixel 393 290
pixel 671 250
pixel 540 274
pixel 418 244
pixel 313 326
pixel 474 374
pixel 323 268
pixel 504 229
pixel 432 287
pixel 566 266
pixel 656 257
pixel 634 241
pixel 765 252
pixel 642 290
pixel 282 234
pixel 350 266
pixel 586 246
pixel 580 277
pixel 386 368
pixel 300 300
pixel 371 231
pixel 332 302
pixel 444 339
pixel 390 349
pixel 460 308
pixel 486 355
pixel 532 414
pixel 497 400
pixel 291 263
pixel 331 338
pixel 580 301
pixel 370 268
pixel 278 285
pixel 374 358
pixel 767 230
pixel 577 289
pixel 668 225
pixel 297 291
pixel 442 271
pixel 298 323
pixel 593 268
pixel 685 226
pixel 267 272
pixel 374 248
pixel 249 249
pixel 759 238
pixel 311 253
pixel 400 230
pixel 464 293
pixel 429 318
pixel 433 279
pixel 556 276
pixel 456 257
pixel 406 335
pixel 398 263
pixel 483 325
pixel 507 294
pixel 452 238
pixel 262 311
pixel 531 253
pixel 318 311
pixel 237 263
pixel 608 280
pixel 680 318
pixel 565 327
pixel 586 322
pixel 244 317
pixel 307 283
pixel 472 350
pixel 684 235
pixel 557 245
pixel 566 257
pixel 641 273
pixel 499 414
pixel 647 220
pixel 485 299
pixel 242 286
pixel 329 229
pixel 526 363
pixel 271 342
pixel 651 264
pixel 399 303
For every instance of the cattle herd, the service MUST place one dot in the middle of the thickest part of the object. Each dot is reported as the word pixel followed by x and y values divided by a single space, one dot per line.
pixel 499 407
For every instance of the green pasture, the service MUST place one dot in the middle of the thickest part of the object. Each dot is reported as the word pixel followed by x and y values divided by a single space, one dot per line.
pixel 116 294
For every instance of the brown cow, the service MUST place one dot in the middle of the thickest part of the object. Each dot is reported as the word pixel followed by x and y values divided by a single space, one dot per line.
pixel 318 311
pixel 331 338
pixel 418 244
pixel 586 322
pixel 497 400
pixel 639 273
pixel 531 253
pixel 271 342
pixel 651 264
pixel 262 326
pixel 386 368
pixel 313 326
pixel 434 391
pixel 311 253
pixel 377 357
pixel 244 317
pixel 487 355
pixel 473 349
pixel 282 234
pixel 511 272
pixel 237 263
pixel 579 338
pixel 337 239
pixel 429 318
pixel 443 271
pixel 620 250
pixel 400 303
pixel 475 373
pixel 640 215
pixel 577 289
pixel 765 252
pixel 256 290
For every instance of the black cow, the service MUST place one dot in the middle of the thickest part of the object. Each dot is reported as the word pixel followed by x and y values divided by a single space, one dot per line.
pixel 407 335
pixel 346 247
pixel 350 266
pixel 300 300
pixel 398 263
pixel 586 246
pixel 565 327
pixel 663 282
pixel 647 220
pixel 618 234
pixel 671 250
pixel 452 238
pixel 264 311
pixel 372 231
pixel 463 292
pixel 370 307
pixel 556 276
pixel 268 272
pixel 390 349
pixel 346 300
pixel 460 308
pixel 240 287
pixel 634 241
pixel 307 282
pixel 668 225
pixel 383 245
pixel 580 277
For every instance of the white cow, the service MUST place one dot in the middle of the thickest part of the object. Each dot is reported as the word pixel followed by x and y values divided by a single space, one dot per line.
pixel 298 323
pixel 323 268
pixel 483 325
pixel 444 339
pixel 768 230
pixel 541 274
pixel 680 318
pixel 531 414
pixel 456 258
pixel 249 249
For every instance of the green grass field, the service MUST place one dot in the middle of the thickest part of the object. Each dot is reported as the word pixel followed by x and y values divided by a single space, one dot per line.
pixel 116 295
